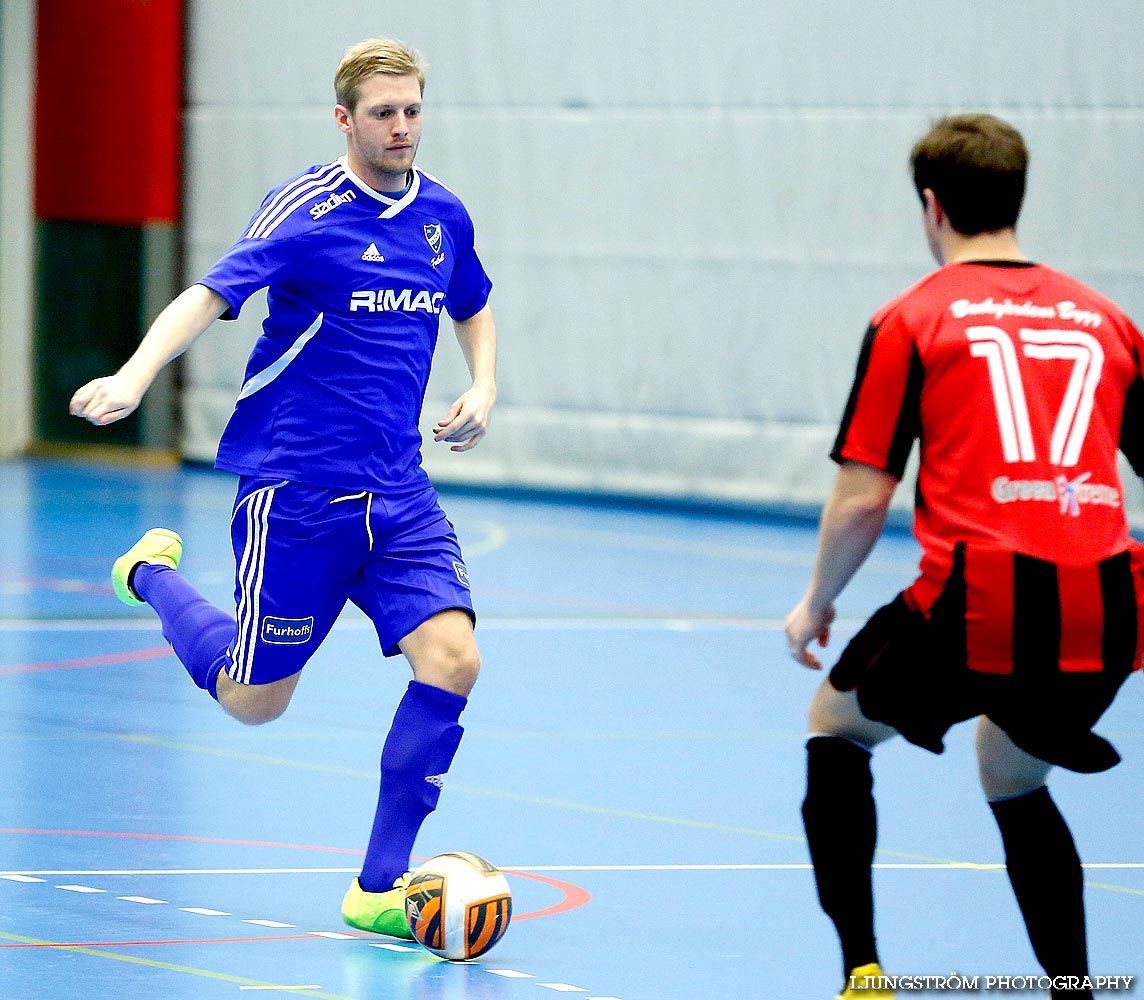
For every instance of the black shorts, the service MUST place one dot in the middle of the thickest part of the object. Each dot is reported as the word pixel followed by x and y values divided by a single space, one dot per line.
pixel 910 672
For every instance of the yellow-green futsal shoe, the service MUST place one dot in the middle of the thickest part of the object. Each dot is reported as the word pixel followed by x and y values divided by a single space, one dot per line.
pixel 379 912
pixel 867 982
pixel 159 547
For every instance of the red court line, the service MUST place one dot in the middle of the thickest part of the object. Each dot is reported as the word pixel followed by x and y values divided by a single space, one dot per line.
pixel 574 895
pixel 174 836
pixel 80 663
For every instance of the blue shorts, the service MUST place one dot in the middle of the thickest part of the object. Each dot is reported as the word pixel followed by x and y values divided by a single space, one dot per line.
pixel 302 551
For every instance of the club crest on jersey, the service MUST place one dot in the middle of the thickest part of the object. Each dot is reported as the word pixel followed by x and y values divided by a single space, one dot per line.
pixel 433 236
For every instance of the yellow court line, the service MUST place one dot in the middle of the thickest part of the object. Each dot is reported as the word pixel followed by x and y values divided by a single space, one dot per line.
pixel 714 550
pixel 541 801
pixel 169 967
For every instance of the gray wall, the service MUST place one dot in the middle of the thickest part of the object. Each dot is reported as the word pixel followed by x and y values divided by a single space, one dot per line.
pixel 17 231
pixel 689 211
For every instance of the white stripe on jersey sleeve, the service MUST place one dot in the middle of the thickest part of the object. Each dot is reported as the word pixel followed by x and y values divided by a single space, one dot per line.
pixel 271 372
pixel 291 196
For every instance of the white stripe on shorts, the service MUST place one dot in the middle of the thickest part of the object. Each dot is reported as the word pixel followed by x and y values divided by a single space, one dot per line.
pixel 251 568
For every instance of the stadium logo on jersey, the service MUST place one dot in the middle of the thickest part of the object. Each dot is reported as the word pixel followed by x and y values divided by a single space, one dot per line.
pixel 320 208
pixel 1070 494
pixel 389 300
pixel 287 631
pixel 462 573
pixel 372 253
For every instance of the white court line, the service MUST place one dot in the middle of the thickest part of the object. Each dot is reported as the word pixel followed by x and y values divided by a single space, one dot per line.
pixel 142 899
pixel 79 888
pixel 203 911
pixel 269 923
pixel 309 987
pixel 795 866
pixel 27 876
pixel 509 974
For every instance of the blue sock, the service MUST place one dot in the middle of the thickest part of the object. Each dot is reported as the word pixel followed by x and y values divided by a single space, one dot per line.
pixel 418 751
pixel 199 632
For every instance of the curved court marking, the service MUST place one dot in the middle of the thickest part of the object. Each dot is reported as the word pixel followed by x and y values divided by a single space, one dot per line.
pixel 496 536
pixel 574 896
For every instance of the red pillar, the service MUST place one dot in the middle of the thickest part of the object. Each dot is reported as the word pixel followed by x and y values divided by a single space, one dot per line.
pixel 108 149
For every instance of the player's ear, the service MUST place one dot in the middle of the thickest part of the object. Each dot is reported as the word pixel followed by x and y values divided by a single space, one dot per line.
pixel 933 208
pixel 342 118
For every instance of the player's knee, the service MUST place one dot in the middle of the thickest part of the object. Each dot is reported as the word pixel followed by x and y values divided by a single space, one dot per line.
pixel 1004 769
pixel 836 713
pixel 464 666
pixel 253 704
pixel 257 713
pixel 455 667
pixel 999 780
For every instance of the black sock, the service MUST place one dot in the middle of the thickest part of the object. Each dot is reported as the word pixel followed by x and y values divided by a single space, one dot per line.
pixel 1048 882
pixel 841 830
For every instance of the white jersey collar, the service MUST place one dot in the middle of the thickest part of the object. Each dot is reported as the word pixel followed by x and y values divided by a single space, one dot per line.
pixel 393 205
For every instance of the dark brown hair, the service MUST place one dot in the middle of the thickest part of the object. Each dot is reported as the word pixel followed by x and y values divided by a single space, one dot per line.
pixel 975 164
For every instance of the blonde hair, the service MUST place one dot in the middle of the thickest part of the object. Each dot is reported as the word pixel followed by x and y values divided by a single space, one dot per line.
pixel 375 55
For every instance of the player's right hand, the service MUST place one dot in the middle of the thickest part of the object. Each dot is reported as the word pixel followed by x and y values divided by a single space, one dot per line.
pixel 105 400
pixel 804 625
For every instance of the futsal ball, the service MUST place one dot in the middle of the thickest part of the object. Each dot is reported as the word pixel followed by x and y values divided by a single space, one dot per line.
pixel 459 905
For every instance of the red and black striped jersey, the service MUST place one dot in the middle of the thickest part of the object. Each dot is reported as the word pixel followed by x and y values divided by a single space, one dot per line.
pixel 1014 378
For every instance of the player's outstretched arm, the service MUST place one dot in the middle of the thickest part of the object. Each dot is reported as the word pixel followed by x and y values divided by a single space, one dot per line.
pixel 113 397
pixel 852 520
pixel 468 418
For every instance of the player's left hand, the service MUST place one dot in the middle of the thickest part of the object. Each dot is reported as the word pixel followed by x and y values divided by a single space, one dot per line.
pixel 467 420
pixel 804 625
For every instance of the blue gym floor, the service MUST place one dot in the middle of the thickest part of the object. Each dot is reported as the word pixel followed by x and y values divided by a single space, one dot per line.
pixel 633 758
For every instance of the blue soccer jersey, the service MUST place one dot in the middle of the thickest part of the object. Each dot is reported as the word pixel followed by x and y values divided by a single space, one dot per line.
pixel 357 280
